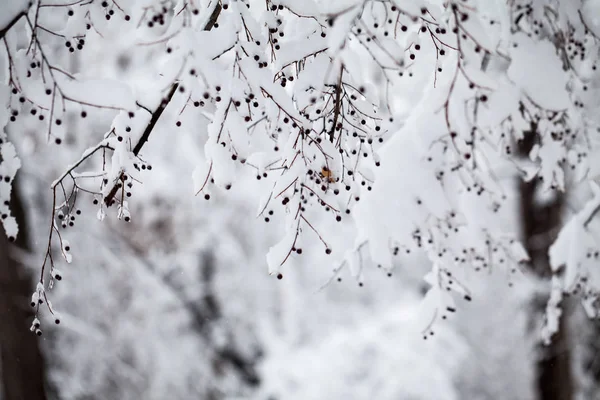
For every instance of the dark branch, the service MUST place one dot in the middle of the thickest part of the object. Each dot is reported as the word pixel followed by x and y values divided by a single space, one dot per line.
pixel 591 216
pixel 16 19
pixel 213 18
pixel 338 97
pixel 108 200
pixel 144 138
pixel 155 116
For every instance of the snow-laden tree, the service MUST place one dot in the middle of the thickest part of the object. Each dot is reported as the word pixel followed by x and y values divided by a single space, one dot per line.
pixel 132 303
pixel 395 121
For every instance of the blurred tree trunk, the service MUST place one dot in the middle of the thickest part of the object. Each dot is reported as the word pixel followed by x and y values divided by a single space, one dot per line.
pixel 591 360
pixel 541 222
pixel 206 314
pixel 21 362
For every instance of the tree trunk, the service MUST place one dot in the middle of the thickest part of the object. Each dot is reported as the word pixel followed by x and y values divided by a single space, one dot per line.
pixel 21 363
pixel 590 359
pixel 540 225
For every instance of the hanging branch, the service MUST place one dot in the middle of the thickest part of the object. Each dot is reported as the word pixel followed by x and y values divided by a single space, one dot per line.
pixel 144 138
pixel 108 200
pixel 338 97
